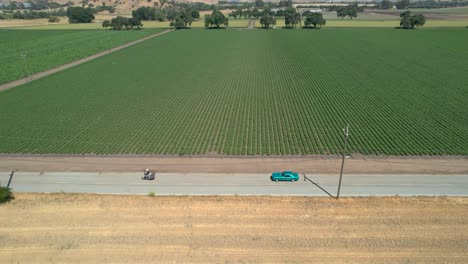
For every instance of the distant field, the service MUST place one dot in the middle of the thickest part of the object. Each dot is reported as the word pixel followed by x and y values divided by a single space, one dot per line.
pixel 390 23
pixel 29 51
pixel 449 11
pixel 458 13
pixel 348 23
pixel 247 92
pixel 41 24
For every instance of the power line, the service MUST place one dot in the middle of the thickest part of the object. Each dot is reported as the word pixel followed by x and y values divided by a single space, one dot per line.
pixel 345 139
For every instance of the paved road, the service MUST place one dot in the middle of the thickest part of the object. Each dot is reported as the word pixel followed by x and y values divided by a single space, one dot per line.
pixel 241 184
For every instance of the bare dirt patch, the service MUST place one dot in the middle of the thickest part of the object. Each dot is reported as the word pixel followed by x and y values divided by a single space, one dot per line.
pixel 71 228
pixel 327 165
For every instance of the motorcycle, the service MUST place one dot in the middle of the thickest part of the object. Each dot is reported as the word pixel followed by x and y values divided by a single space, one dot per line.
pixel 150 176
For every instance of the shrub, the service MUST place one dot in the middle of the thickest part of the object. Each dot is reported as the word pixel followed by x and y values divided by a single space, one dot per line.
pixel 5 194
pixel 18 15
pixel 106 23
pixel 151 194
pixel 54 19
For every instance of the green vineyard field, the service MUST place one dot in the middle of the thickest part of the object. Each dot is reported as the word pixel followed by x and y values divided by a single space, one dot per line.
pixel 253 92
pixel 25 52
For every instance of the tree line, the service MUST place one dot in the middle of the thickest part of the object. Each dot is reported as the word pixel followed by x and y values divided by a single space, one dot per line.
pixel 120 22
pixel 182 17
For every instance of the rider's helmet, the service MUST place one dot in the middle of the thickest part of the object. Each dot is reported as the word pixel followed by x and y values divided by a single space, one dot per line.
pixel 147 170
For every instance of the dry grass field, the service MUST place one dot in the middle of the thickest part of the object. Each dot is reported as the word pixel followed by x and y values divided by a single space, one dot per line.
pixel 71 228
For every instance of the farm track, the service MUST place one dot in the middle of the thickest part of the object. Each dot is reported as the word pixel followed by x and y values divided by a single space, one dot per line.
pixel 244 164
pixel 40 75
pixel 251 24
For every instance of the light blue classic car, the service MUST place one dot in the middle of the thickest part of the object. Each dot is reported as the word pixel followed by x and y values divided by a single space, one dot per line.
pixel 284 176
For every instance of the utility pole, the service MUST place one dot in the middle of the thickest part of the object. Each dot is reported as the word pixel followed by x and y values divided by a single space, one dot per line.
pixel 345 139
pixel 11 176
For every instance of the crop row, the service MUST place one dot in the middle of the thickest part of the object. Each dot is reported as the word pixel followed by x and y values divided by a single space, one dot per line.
pixel 252 93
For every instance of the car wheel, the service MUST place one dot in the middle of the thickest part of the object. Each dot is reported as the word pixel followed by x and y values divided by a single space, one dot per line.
pixel 276 180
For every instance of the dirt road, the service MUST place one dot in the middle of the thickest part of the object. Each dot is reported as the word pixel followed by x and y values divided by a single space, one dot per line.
pixel 251 24
pixel 355 165
pixel 39 75
pixel 71 228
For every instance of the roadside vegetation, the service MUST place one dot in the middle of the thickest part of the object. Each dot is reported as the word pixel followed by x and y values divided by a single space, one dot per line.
pixel 5 194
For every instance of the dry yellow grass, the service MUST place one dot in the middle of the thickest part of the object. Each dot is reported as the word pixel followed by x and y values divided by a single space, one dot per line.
pixel 69 228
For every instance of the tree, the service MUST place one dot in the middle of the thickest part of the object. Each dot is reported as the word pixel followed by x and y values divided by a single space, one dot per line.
pixel 267 20
pixel 259 3
pixel 291 17
pixel 351 10
pixel 185 17
pixel 118 23
pixel 386 4
pixel 18 15
pixel 285 3
pixel 216 18
pixel 314 19
pixel 279 13
pixel 409 21
pixel 135 23
pixel 341 12
pixel 233 14
pixel 178 23
pixel 79 15
pixel 267 10
pixel 171 12
pixel 144 13
pixel 159 15
pixel 402 4
pixel 239 12
pixel 195 14
pixel 256 13
pixel 419 20
pixel 247 13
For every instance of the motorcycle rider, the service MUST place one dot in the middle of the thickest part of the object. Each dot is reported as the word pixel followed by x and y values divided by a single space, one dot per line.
pixel 147 173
